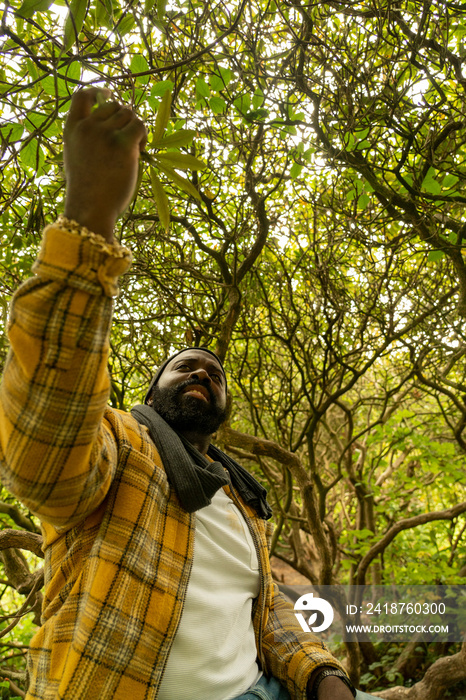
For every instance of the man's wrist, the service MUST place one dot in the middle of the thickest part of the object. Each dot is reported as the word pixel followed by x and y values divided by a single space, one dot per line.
pixel 103 226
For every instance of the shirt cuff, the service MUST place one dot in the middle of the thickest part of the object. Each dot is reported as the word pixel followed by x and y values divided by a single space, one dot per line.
pixel 72 254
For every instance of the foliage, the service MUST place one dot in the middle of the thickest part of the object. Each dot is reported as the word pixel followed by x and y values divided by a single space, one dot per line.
pixel 319 250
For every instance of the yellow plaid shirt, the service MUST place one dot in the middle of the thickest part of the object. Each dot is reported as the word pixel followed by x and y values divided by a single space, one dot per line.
pixel 118 546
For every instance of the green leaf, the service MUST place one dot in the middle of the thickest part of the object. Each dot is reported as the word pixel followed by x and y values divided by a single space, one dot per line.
pixel 257 115
pixel 32 70
pixel 225 74
pixel 181 161
pixel 161 7
pixel 257 99
pixel 217 105
pixel 449 181
pixel 29 7
pixel 163 115
pixel 361 135
pixel 152 102
pixel 430 184
pixel 243 104
pixel 349 142
pixel 219 81
pixel 126 25
pixel 308 153
pixel 74 22
pixel 178 139
pixel 202 89
pixel 161 88
pixel 139 65
pixel 104 13
pixel 346 564
pixel 362 145
pixel 54 87
pixel 363 201
pixel 73 71
pixel 11 132
pixel 37 120
pixel 32 157
pixel 295 170
pixel 161 200
pixel 362 534
pixel 180 181
pixel 435 255
pixel 216 83
pixel 148 5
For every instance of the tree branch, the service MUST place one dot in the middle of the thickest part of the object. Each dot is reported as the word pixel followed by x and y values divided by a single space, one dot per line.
pixel 406 524
pixel 21 540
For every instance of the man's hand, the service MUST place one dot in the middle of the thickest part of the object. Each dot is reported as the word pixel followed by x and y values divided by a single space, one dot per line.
pixel 330 688
pixel 102 150
pixel 333 688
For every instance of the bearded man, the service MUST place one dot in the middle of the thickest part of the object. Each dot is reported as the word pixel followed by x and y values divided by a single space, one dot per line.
pixel 157 577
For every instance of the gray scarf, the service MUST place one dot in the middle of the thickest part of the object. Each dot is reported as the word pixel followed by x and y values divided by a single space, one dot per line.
pixel 193 477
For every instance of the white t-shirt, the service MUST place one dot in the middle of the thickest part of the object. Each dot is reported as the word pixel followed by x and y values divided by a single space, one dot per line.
pixel 213 656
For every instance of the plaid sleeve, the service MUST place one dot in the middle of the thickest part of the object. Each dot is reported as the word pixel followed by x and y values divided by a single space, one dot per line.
pixel 56 456
pixel 291 654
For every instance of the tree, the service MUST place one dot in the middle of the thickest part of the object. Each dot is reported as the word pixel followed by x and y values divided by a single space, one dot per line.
pixel 319 250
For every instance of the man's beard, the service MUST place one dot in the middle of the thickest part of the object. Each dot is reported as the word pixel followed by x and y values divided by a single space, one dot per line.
pixel 188 413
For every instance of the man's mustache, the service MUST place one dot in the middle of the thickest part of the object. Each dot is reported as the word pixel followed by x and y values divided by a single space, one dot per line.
pixel 189 382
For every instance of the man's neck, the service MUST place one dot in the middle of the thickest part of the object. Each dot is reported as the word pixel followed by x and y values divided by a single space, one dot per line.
pixel 200 442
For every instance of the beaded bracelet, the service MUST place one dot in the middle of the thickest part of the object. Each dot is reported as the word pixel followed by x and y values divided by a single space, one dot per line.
pixel 115 249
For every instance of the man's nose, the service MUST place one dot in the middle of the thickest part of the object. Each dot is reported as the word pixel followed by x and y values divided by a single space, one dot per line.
pixel 200 374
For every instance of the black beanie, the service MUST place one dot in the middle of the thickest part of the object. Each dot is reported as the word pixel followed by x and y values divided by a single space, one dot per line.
pixel 160 369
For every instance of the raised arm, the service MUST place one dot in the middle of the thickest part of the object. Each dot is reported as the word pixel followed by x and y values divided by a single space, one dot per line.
pixel 56 453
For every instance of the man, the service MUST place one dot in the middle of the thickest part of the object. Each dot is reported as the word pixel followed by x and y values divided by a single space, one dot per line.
pixel 157 580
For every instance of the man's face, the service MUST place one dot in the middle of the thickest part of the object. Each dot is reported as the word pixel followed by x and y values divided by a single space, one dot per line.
pixel 191 393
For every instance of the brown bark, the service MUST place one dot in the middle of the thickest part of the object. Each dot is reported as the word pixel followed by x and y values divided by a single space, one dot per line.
pixel 21 540
pixel 15 514
pixel 15 689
